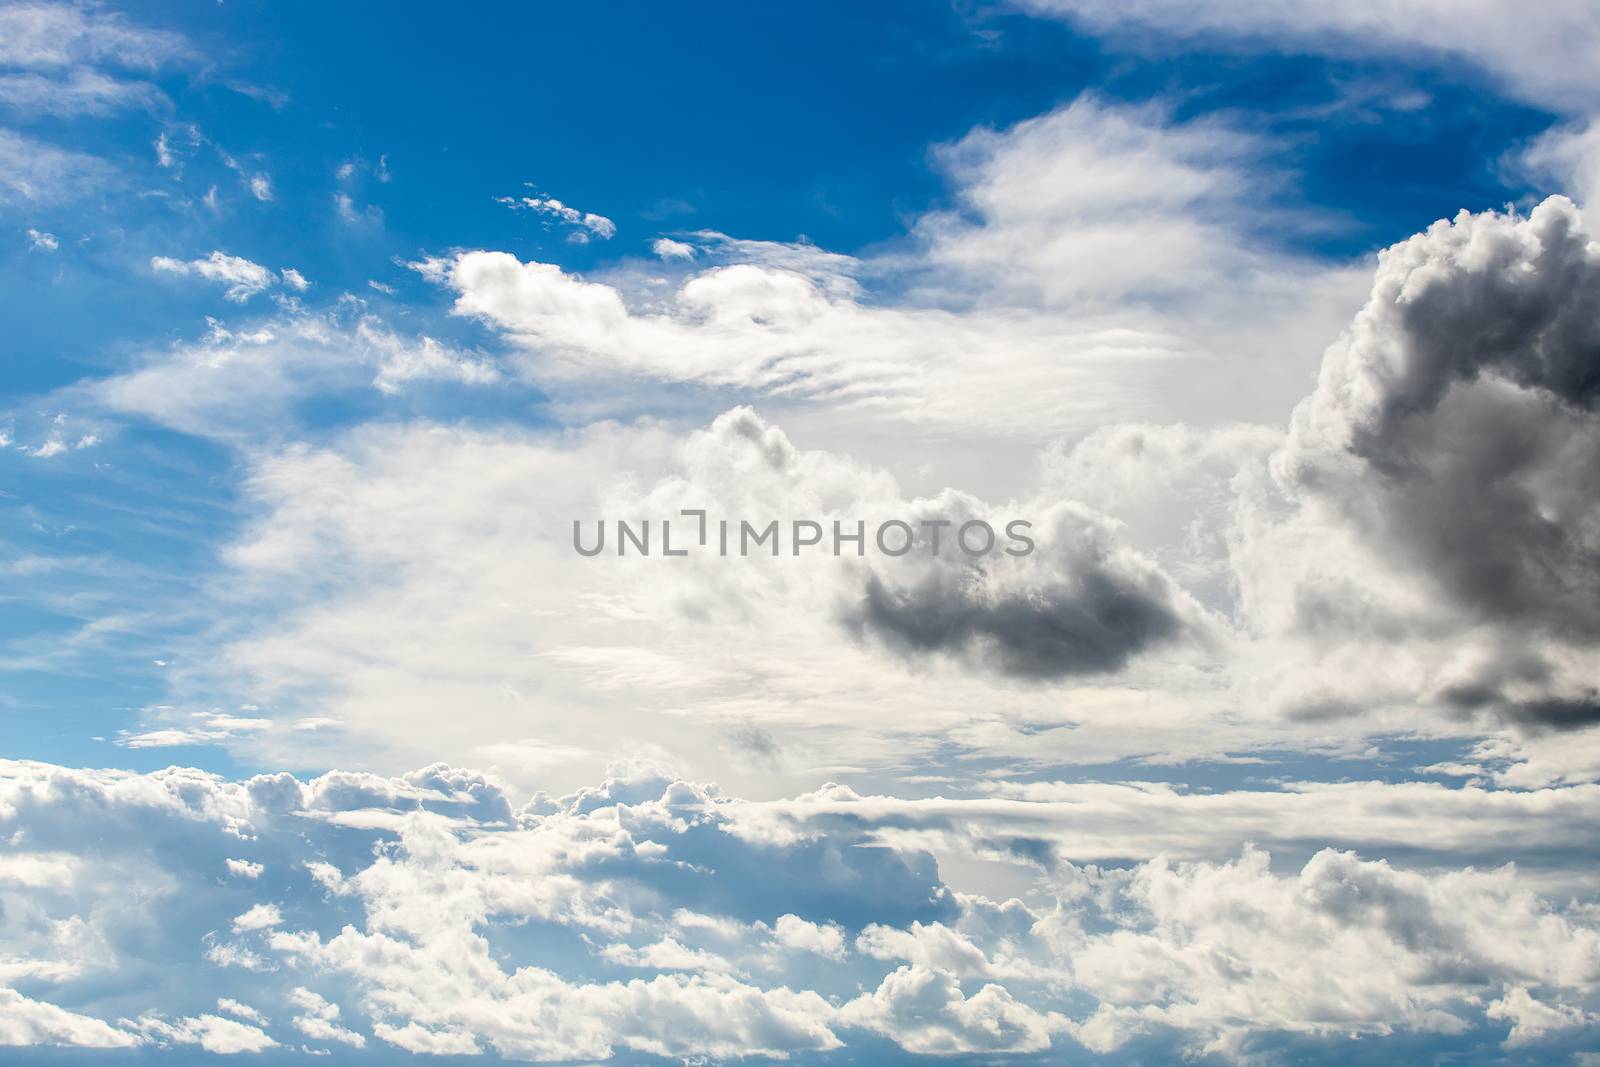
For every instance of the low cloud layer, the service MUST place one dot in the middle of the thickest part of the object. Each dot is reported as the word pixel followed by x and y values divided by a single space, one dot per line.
pixel 656 918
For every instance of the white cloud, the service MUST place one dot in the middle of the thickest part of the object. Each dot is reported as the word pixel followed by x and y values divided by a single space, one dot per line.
pixel 1566 158
pixel 1204 956
pixel 34 173
pixel 793 932
pixel 1098 249
pixel 244 868
pixel 259 917
pixel 1532 1021
pixel 24 1021
pixel 81 92
pixel 584 224
pixel 1539 54
pixel 667 248
pixel 319 1021
pixel 243 278
pixel 925 1012
pixel 42 242
pixel 47 36
pixel 242 1011
pixel 215 1034
pixel 197 728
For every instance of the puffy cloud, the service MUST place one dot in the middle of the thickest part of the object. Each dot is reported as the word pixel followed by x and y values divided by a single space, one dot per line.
pixel 42 242
pixel 667 248
pixel 215 1034
pixel 1531 1020
pixel 452 933
pixel 1438 483
pixel 259 917
pixel 32 1022
pixel 793 932
pixel 320 1019
pixel 925 1012
pixel 1098 245
pixel 1084 605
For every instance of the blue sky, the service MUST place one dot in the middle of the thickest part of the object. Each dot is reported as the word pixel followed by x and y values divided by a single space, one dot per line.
pixel 689 128
pixel 325 325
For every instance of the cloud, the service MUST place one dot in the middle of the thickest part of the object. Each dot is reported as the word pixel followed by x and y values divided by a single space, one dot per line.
pixel 1567 159
pixel 1087 605
pixel 1539 56
pixel 82 92
pixel 39 241
pixel 1532 1021
pixel 319 1021
pixel 1437 483
pixel 243 278
pixel 438 926
pixel 47 36
pixel 199 728
pixel 1096 248
pixel 925 1012
pixel 244 385
pixel 583 224
pixel 667 248
pixel 259 917
pixel 32 1022
pixel 215 1034
pixel 33 173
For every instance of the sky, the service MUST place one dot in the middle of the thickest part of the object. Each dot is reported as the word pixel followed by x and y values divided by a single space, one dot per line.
pixel 1264 339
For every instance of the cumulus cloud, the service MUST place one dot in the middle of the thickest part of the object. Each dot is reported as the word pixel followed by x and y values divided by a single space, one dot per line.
pixel 461 928
pixel 667 248
pixel 24 1021
pixel 1096 247
pixel 1439 480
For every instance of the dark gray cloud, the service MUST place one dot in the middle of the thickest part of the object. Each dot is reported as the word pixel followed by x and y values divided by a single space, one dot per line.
pixel 1454 433
pixel 1465 392
pixel 1079 605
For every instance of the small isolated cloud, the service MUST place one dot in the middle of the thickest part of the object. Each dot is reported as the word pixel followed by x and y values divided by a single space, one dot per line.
pixel 40 241
pixel 261 186
pixel 244 869
pixel 243 278
pixel 667 248
pixel 204 728
pixel 585 224
pixel 259 917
